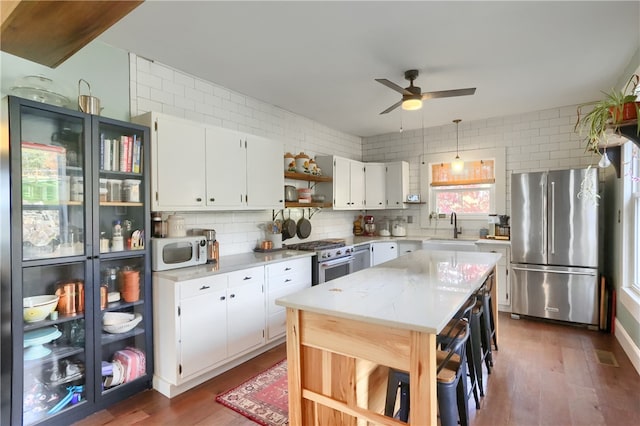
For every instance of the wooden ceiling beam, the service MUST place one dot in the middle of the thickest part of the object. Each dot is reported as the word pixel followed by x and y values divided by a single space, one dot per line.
pixel 49 32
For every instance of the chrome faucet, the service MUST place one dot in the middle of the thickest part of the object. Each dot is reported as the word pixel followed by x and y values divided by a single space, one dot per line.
pixel 454 222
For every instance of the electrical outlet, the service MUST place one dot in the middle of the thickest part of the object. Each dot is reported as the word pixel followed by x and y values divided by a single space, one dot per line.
pixel 442 216
pixel 409 219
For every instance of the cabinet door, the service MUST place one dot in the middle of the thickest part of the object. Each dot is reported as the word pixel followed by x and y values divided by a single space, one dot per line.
pixel 504 279
pixel 341 183
pixel 265 180
pixel 245 317
pixel 356 186
pixel 397 184
pixel 226 168
pixel 383 252
pixel 375 185
pixel 245 309
pixel 178 169
pixel 203 331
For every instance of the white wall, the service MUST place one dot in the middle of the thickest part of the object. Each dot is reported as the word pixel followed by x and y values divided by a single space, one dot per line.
pixel 539 140
pixel 156 87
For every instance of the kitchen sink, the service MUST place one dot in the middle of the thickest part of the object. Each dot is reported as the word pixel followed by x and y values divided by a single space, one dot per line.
pixel 455 245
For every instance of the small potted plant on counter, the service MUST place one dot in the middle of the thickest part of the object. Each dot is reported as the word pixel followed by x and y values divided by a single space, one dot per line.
pixel 617 107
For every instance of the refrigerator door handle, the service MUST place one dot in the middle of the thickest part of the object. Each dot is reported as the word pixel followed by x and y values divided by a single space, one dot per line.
pixel 552 271
pixel 553 217
pixel 543 216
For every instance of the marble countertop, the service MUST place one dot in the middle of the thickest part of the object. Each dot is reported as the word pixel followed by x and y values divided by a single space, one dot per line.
pixel 418 291
pixel 231 263
pixel 359 240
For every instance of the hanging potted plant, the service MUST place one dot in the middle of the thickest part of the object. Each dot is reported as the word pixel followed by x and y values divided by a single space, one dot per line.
pixel 617 107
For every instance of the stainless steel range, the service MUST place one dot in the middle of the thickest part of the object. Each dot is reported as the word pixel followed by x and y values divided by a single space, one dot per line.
pixel 333 258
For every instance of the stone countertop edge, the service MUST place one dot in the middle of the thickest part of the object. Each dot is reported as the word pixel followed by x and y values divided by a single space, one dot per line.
pixel 407 293
pixel 360 240
pixel 231 263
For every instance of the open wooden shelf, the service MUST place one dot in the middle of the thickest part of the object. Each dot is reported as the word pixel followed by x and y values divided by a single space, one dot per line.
pixel 292 204
pixel 307 177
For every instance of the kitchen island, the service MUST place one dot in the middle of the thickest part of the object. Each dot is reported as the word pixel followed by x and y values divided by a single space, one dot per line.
pixel 388 315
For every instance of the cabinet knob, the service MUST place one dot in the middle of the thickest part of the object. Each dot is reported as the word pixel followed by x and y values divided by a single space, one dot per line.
pixel 212 199
pixel 198 199
pixel 231 296
pixel 222 297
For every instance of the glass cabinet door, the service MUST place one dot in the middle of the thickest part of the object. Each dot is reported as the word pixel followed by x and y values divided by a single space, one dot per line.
pixel 122 351
pixel 53 178
pixel 55 350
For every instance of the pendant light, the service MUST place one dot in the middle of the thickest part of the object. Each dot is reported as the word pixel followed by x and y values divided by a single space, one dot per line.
pixel 457 165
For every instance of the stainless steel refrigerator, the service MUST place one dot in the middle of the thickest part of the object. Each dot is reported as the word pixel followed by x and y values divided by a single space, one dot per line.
pixel 554 246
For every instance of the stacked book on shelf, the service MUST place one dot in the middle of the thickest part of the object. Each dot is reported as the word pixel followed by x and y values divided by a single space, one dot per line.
pixel 121 155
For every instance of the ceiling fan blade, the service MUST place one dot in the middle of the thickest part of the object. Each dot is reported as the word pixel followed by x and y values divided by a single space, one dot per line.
pixel 392 85
pixel 391 108
pixel 448 93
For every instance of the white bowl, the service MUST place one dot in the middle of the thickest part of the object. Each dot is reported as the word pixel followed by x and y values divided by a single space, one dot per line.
pixel 120 322
pixel 36 308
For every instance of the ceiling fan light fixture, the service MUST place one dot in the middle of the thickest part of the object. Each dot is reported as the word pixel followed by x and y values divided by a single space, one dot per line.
pixel 411 104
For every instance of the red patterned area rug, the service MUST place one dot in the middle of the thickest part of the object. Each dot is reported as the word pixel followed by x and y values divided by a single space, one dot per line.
pixel 263 399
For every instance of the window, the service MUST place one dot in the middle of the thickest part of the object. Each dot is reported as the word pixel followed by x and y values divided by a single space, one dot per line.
pixel 470 192
pixel 634 175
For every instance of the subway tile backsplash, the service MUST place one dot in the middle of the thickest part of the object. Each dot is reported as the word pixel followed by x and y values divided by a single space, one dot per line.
pixel 534 141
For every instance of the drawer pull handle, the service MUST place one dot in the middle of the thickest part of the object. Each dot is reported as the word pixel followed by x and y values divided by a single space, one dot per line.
pixel 204 287
pixel 287 269
pixel 287 280
pixel 247 278
pixel 222 298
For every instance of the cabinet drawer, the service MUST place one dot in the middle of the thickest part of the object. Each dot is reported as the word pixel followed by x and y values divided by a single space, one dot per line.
pixel 281 292
pixel 246 276
pixel 294 277
pixel 288 267
pixel 202 286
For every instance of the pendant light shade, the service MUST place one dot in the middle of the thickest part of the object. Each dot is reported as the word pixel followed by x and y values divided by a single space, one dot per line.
pixel 457 165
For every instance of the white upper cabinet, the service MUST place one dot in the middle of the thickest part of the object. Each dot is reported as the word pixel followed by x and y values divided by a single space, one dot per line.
pixel 177 173
pixel 265 179
pixel 397 184
pixel 197 167
pixel 226 169
pixel 348 187
pixel 375 186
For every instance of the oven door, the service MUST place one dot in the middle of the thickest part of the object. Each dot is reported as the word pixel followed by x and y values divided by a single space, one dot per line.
pixel 335 268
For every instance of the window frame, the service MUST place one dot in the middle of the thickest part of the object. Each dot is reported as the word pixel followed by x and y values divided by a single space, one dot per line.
pixel 498 155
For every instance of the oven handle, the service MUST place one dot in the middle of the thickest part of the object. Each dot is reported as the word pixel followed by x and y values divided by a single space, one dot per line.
pixel 336 262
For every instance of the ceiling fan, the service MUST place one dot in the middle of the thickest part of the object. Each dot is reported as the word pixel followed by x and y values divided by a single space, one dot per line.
pixel 412 97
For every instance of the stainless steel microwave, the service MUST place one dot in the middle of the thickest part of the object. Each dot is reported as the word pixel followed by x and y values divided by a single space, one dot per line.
pixel 178 252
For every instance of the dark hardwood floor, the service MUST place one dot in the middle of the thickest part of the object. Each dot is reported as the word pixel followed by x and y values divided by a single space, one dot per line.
pixel 544 374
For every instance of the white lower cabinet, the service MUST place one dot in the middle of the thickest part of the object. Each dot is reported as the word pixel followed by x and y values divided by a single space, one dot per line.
pixel 245 310
pixel 204 323
pixel 383 252
pixel 405 247
pixel 284 278
pixel 504 279
pixel 201 301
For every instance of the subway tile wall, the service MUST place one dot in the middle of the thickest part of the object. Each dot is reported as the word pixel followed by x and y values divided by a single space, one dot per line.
pixel 156 87
pixel 534 141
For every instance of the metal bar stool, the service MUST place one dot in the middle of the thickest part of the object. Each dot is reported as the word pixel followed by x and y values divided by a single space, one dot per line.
pixel 451 387
pixel 489 319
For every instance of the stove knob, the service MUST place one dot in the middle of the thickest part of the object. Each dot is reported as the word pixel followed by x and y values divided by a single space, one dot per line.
pixel 324 255
pixel 338 253
pixel 328 254
pixel 348 251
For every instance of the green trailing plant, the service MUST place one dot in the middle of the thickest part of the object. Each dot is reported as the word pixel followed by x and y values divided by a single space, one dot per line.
pixel 605 113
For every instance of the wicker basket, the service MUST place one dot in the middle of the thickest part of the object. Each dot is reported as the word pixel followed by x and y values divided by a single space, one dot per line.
pixel 120 322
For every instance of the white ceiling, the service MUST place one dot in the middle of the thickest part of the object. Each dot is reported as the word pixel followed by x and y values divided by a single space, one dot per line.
pixel 320 59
